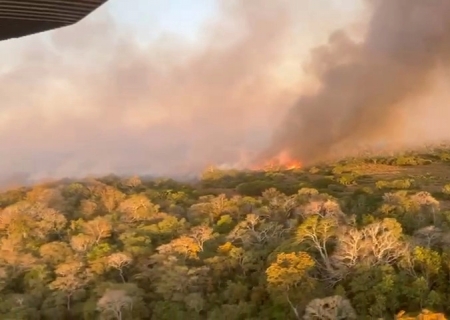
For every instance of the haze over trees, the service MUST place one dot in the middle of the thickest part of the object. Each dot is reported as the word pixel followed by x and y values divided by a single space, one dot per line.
pixel 363 238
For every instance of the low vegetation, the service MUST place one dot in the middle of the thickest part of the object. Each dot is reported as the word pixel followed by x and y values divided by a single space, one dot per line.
pixel 359 239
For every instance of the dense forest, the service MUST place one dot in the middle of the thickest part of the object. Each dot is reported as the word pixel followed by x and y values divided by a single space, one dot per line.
pixel 362 238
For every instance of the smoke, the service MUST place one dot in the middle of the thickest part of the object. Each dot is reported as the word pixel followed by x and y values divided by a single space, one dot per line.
pixel 369 90
pixel 93 99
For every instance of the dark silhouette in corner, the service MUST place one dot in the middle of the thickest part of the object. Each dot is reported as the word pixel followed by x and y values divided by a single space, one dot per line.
pixel 20 18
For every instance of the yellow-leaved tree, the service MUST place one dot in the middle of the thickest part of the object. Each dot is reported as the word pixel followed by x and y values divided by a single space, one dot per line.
pixel 290 270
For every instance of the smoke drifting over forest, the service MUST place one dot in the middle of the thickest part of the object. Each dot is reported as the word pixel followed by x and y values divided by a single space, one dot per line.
pixel 367 88
pixel 91 99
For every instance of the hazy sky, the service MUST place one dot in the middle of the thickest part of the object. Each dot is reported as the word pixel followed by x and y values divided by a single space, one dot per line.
pixel 159 86
pixel 148 18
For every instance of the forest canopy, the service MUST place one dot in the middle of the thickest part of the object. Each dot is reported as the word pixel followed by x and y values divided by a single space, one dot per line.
pixel 362 238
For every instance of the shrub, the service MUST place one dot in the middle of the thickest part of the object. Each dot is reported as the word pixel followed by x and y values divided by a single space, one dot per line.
pixel 400 184
pixel 346 179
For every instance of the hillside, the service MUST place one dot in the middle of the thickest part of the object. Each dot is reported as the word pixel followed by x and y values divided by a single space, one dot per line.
pixel 366 238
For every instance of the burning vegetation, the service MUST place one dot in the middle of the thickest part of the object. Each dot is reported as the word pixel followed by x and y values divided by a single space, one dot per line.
pixel 283 161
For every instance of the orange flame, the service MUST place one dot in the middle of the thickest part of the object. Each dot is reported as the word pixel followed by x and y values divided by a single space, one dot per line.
pixel 283 161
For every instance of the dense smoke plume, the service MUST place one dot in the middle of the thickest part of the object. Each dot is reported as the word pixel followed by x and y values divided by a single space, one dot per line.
pixel 367 88
pixel 93 99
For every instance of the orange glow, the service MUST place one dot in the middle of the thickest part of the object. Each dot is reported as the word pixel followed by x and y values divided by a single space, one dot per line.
pixel 282 161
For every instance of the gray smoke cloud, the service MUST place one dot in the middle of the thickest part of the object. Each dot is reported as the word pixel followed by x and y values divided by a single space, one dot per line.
pixel 92 99
pixel 369 89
